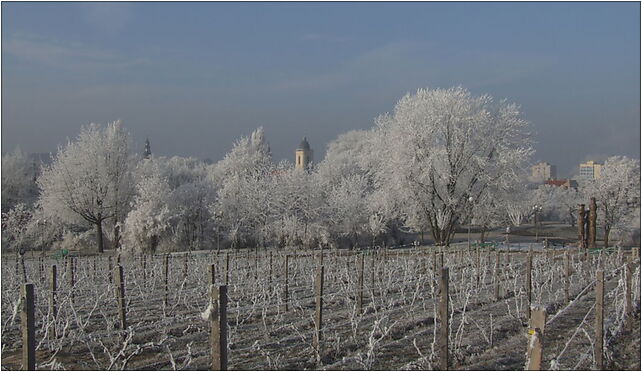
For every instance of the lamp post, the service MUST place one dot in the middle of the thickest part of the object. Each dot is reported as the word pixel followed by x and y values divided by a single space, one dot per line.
pixel 536 209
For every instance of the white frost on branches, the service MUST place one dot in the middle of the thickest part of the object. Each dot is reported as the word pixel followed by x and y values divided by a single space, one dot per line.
pixel 441 147
pixel 90 180
pixel 617 192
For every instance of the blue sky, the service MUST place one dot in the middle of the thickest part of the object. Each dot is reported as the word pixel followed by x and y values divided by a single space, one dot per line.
pixel 194 77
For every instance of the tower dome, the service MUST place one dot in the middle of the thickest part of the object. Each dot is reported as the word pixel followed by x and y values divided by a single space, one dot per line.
pixel 304 145
pixel 303 155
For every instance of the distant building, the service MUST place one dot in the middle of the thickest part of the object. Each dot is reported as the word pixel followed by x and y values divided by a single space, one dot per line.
pixel 562 183
pixel 590 170
pixel 147 152
pixel 303 155
pixel 543 171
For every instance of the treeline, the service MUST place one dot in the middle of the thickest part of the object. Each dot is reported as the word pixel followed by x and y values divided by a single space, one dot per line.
pixel 442 158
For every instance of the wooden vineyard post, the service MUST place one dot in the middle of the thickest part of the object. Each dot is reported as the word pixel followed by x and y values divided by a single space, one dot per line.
pixel 24 269
pixel 497 258
pixel 52 299
pixel 372 275
pixel 488 255
pixel 360 283
pixel 185 265
pixel 110 268
pixel 256 263
pixel 529 287
pixel 40 269
pixel 285 284
pixel 218 327
pixel 620 253
pixel 348 268
pixel 166 277
pixel 270 276
pixel 28 327
pixel 318 317
pixel 535 339
pixel 508 255
pixel 581 244
pixel 599 321
pixel 567 278
pixel 227 268
pixel 628 306
pixel 144 267
pixel 443 320
pixel 434 261
pixel 477 265
pixel 548 254
pixel 212 274
pixel 72 279
pixel 120 294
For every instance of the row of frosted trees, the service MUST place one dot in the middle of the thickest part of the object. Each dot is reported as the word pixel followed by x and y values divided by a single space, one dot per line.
pixel 440 159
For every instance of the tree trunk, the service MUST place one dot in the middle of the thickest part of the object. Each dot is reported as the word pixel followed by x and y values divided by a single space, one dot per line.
pixel 592 224
pixel 482 235
pixel 607 231
pixel 441 236
pixel 581 232
pixel 116 235
pixel 153 242
pixel 99 236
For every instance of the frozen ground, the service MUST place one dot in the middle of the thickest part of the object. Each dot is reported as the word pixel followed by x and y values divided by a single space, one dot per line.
pixel 396 329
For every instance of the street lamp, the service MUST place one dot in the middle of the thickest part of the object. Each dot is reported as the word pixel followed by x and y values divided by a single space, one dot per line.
pixel 536 209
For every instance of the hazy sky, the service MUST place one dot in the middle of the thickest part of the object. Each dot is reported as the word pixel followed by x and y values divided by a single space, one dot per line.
pixel 195 77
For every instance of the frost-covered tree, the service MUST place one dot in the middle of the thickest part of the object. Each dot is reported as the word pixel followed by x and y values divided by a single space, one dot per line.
pixel 441 147
pixel 150 214
pixel 242 182
pixel 558 202
pixel 29 229
pixel 295 206
pixel 18 179
pixel 91 179
pixel 345 178
pixel 566 200
pixel 184 194
pixel 192 193
pixel 15 224
pixel 250 157
pixel 489 211
pixel 617 192
pixel 348 207
pixel 349 154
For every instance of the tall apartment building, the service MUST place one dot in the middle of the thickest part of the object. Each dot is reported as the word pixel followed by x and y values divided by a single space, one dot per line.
pixel 590 170
pixel 543 171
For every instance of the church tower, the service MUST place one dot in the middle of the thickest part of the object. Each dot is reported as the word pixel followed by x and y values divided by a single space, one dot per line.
pixel 303 155
pixel 148 150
